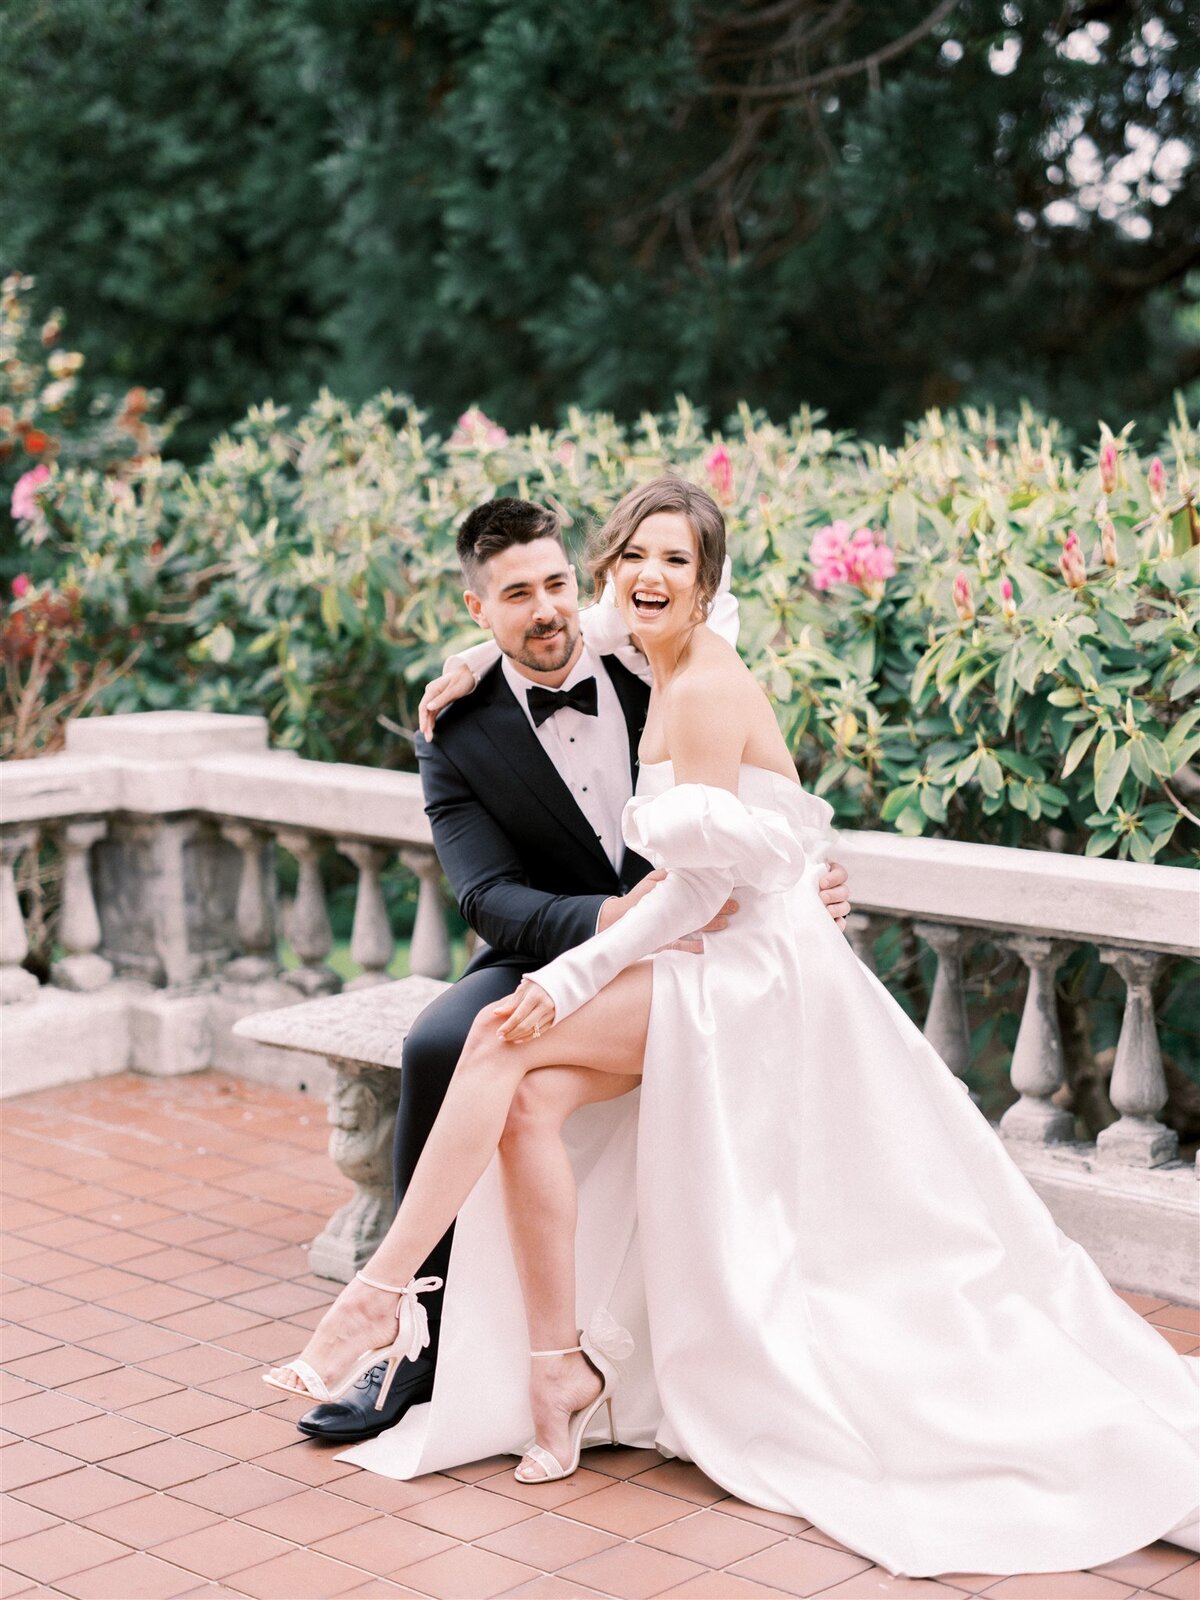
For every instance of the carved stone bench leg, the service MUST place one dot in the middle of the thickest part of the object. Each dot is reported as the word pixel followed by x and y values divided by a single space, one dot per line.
pixel 362 1110
pixel 361 1034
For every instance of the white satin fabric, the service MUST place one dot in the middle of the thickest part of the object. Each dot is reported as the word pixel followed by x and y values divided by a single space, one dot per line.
pixel 845 1300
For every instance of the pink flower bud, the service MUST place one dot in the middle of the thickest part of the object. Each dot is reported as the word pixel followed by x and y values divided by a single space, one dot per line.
pixel 719 466
pixel 1108 466
pixel 20 585
pixel 1071 563
pixel 1156 481
pixel 964 604
pixel 1007 604
pixel 1108 545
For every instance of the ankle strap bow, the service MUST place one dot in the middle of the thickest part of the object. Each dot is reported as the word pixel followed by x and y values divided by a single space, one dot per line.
pixel 412 1319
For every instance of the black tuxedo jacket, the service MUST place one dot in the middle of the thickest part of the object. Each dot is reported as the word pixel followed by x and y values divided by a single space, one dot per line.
pixel 525 865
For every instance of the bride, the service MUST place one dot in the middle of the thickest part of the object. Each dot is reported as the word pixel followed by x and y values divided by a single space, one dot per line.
pixel 819 1274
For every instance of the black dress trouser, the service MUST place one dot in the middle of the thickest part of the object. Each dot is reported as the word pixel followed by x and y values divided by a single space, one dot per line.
pixel 431 1053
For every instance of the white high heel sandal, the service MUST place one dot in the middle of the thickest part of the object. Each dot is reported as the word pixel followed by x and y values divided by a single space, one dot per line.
pixel 412 1336
pixel 605 1342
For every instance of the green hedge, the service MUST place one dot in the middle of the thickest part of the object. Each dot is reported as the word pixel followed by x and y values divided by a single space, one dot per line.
pixel 1032 663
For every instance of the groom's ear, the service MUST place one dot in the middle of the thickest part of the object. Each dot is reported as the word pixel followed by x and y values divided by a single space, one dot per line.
pixel 474 605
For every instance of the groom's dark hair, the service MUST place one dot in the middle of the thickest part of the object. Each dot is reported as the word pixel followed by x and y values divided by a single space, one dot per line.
pixel 493 527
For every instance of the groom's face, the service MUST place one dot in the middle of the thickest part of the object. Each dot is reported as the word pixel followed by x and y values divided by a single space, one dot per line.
pixel 528 596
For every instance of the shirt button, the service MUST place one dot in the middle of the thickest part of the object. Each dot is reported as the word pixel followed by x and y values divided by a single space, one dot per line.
pixel 585 788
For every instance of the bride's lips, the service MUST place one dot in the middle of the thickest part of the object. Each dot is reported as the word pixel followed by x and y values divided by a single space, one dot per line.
pixel 648 603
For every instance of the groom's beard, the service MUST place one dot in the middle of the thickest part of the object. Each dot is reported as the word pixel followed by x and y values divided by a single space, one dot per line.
pixel 555 650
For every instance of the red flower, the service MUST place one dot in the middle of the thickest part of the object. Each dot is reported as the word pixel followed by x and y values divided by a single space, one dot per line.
pixel 37 442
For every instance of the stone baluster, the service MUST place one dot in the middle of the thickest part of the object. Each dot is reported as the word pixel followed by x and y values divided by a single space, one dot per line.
pixel 309 931
pixel 946 1025
pixel 82 968
pixel 15 983
pixel 862 930
pixel 371 941
pixel 1139 1086
pixel 1037 1063
pixel 255 905
pixel 431 939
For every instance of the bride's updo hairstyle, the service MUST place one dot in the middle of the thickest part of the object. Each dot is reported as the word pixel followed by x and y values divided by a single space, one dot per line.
pixel 668 493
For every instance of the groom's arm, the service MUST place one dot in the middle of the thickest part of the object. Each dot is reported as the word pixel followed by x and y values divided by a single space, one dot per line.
pixel 486 875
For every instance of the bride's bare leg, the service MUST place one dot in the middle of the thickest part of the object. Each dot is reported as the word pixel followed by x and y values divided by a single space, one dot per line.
pixel 609 1028
pixel 540 1202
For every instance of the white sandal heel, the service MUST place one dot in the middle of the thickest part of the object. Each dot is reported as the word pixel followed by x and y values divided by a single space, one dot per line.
pixel 552 1470
pixel 412 1336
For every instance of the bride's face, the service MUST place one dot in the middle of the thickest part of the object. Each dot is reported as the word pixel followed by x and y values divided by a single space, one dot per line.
pixel 655 577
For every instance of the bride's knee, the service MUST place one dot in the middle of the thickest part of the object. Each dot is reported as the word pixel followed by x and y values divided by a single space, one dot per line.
pixel 532 1117
pixel 484 1050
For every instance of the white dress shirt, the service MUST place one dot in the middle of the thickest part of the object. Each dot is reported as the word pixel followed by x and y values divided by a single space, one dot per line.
pixel 590 754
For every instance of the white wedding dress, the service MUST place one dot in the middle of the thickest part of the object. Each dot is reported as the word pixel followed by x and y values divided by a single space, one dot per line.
pixel 844 1299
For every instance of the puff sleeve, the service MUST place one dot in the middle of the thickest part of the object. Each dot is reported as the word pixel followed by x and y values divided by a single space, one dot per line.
pixel 708 842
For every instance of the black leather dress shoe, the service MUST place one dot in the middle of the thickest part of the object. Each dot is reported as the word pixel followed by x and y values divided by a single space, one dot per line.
pixel 354 1416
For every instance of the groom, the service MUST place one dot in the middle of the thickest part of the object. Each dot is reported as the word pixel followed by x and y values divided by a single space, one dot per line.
pixel 524 789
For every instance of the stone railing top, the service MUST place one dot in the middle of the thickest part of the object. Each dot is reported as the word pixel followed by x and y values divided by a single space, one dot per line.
pixel 367 1026
pixel 1035 891
pixel 197 761
pixel 166 735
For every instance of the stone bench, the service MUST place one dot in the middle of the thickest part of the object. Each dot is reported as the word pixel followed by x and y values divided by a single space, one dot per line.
pixel 361 1034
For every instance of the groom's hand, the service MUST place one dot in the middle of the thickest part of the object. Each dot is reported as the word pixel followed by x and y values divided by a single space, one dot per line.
pixel 615 908
pixel 835 894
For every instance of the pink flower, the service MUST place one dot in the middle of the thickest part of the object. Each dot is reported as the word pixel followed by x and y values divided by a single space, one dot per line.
pixel 1108 466
pixel 1007 604
pixel 1071 563
pixel 880 563
pixel 1156 481
pixel 719 466
pixel 24 496
pixel 964 603
pixel 829 543
pixel 477 430
pixel 1108 545
pixel 839 556
pixel 20 585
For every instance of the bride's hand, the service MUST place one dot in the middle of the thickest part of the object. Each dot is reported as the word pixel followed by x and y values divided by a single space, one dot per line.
pixel 526 1014
pixel 443 691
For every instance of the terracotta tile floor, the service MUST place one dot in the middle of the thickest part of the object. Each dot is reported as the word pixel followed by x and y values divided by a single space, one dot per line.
pixel 153 1260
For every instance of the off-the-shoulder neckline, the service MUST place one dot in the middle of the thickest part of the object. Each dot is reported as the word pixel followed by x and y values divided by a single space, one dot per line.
pixel 743 766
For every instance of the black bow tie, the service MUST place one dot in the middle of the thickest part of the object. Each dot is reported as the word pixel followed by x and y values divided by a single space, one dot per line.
pixel 544 703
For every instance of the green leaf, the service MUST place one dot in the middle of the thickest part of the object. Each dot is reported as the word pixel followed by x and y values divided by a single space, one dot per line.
pixel 1114 775
pixel 1186 683
pixel 1022 764
pixel 1105 751
pixel 1080 745
pixel 1101 842
pixel 991 777
pixel 932 803
pixel 896 802
pixel 331 611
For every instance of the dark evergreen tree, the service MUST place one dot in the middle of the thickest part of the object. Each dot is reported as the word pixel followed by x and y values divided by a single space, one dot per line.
pixel 527 203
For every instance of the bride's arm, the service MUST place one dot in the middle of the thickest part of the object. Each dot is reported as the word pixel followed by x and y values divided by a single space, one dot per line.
pixel 706 737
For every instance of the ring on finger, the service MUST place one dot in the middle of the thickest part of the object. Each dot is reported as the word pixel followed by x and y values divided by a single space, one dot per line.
pixel 537 1030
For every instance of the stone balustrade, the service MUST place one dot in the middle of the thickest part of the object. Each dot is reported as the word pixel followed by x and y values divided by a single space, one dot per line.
pixel 170 825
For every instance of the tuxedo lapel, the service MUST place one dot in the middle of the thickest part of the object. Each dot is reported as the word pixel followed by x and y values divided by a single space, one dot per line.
pixel 507 729
pixel 634 698
pixel 635 701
